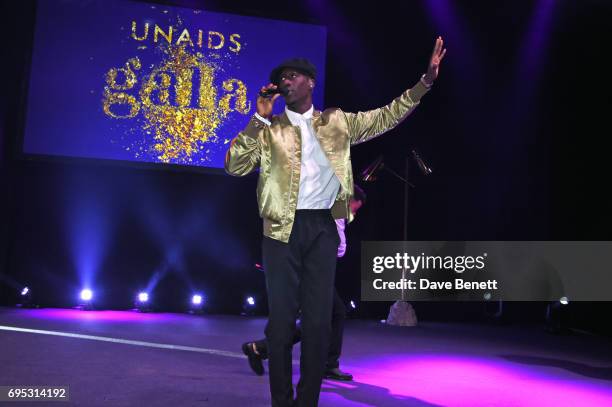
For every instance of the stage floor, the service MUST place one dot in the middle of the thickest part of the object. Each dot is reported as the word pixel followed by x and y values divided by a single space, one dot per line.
pixel 125 358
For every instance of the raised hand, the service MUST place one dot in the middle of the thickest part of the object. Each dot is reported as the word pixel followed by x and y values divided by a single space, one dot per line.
pixel 265 104
pixel 434 63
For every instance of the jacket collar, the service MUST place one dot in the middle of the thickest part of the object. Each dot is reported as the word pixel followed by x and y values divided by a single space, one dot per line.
pixel 284 119
pixel 294 116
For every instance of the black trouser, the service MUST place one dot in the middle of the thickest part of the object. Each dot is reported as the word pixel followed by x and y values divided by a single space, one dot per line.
pixel 300 276
pixel 335 343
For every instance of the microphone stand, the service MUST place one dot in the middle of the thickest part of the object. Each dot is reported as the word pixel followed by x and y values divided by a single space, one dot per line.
pixel 401 313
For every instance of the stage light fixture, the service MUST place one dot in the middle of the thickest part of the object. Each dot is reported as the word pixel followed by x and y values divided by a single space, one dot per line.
pixel 197 304
pixel 248 306
pixel 351 308
pixel 86 299
pixel 86 295
pixel 558 317
pixel 142 302
pixel 25 297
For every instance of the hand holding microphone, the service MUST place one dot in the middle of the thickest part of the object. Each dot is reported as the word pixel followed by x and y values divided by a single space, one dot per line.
pixel 267 96
pixel 269 92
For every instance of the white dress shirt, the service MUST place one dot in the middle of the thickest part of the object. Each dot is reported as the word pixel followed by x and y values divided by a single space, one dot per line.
pixel 319 185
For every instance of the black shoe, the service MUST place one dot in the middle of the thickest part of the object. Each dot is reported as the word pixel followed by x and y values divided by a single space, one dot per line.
pixel 337 374
pixel 255 360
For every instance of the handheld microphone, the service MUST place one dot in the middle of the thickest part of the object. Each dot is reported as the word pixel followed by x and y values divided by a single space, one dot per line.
pixel 268 93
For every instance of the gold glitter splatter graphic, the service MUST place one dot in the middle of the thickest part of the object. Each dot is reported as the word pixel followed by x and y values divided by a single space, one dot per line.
pixel 128 75
pixel 179 129
pixel 114 99
pixel 175 108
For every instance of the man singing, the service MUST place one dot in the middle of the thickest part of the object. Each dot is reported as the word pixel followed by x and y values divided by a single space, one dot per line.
pixel 305 182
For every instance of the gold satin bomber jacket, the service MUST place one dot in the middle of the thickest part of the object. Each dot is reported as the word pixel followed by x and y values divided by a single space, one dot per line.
pixel 276 150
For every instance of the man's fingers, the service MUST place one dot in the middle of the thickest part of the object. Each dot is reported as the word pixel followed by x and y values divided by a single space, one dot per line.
pixel 265 88
pixel 437 47
pixel 268 86
pixel 442 54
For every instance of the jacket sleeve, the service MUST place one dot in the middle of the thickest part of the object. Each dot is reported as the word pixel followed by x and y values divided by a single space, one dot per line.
pixel 244 153
pixel 363 126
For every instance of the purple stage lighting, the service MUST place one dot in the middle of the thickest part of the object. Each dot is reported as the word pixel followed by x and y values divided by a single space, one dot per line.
pixel 535 44
pixel 25 291
pixel 353 305
pixel 143 297
pixel 250 301
pixel 197 299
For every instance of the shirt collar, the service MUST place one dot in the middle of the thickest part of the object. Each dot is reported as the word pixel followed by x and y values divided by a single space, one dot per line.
pixel 295 117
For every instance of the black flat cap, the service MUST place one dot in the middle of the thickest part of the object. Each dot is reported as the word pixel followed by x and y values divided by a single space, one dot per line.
pixel 301 65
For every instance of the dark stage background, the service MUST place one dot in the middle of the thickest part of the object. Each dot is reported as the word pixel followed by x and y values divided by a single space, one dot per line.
pixel 516 131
